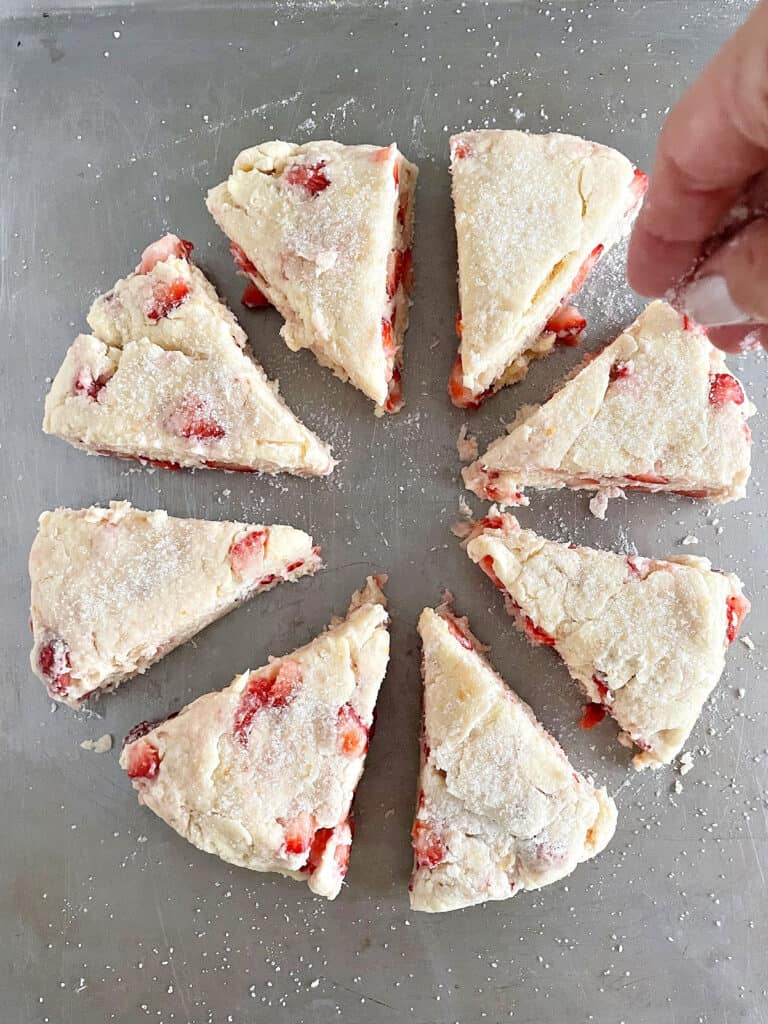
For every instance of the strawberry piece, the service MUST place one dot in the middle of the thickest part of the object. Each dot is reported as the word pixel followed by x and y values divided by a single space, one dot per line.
pixel 536 633
pixel 143 760
pixel 161 250
pixel 567 324
pixel 310 177
pixel 167 296
pixel 461 396
pixel 638 187
pixel 461 149
pixel 459 323
pixel 620 371
pixel 724 388
pixel 428 847
pixel 265 691
pixel 396 173
pixel 399 270
pixel 246 555
pixel 593 715
pixel 352 733
pixel 647 478
pixel 402 209
pixel 602 689
pixel 457 631
pixel 299 833
pixel 87 384
pixel 293 566
pixel 687 326
pixel 736 608
pixel 387 339
pixel 341 857
pixel 53 661
pixel 319 842
pixel 253 297
pixel 585 269
pixel 486 564
pixel 242 261
pixel 638 567
pixel 395 395
pixel 191 419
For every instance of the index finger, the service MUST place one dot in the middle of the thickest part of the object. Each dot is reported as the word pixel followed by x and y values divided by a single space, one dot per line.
pixel 713 142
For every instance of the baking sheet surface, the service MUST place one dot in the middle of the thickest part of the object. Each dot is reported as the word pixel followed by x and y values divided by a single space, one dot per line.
pixel 113 123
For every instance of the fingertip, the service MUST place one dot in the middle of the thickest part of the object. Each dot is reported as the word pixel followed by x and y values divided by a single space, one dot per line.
pixel 738 340
pixel 655 266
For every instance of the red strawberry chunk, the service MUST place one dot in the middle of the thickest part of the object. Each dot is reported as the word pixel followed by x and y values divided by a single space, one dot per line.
pixel 428 847
pixel 247 553
pixel 167 296
pixel 585 269
pixel 193 420
pixel 387 339
pixel 319 842
pixel 461 149
pixel 602 689
pixel 253 297
pixel 457 631
pixel 724 388
pixel 341 857
pixel 352 733
pixel 242 261
pixel 165 247
pixel 394 399
pixel 487 565
pixel 536 633
pixel 143 760
pixel 265 691
pixel 648 478
pixel 567 324
pixel 461 396
pixel 299 833
pixel 402 209
pixel 638 567
pixel 736 607
pixel 310 177
pixel 87 384
pixel 459 323
pixel 53 661
pixel 323 836
pixel 638 186
pixel 620 371
pixel 399 270
pixel 593 715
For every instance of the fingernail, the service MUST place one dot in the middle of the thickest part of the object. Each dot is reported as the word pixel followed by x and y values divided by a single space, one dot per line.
pixel 708 301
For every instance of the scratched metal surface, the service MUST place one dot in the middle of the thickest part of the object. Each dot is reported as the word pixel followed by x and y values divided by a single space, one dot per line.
pixel 113 123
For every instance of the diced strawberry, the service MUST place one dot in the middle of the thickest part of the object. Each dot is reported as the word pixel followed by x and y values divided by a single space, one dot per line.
pixel 253 297
pixel 395 395
pixel 299 833
pixel 322 837
pixel 165 247
pixel 402 209
pixel 246 555
pixel 620 371
pixel 602 689
pixel 53 661
pixel 319 842
pixel 396 173
pixel 638 187
pixel 459 323
pixel 536 633
pixel 724 388
pixel 293 566
pixel 382 154
pixel 87 384
pixel 567 324
pixel 593 715
pixel 352 733
pixel 387 339
pixel 456 630
pixel 230 467
pixel 638 567
pixel 311 177
pixel 648 478
pixel 265 691
pixel 192 419
pixel 428 847
pixel 490 523
pixel 686 322
pixel 737 607
pixel 585 269
pixel 487 565
pixel 167 296
pixel 460 395
pixel 242 261
pixel 341 857
pixel 461 149
pixel 143 760
pixel 399 270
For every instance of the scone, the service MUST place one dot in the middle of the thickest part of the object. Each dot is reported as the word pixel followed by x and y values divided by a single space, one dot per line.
pixel 500 808
pixel 645 638
pixel 324 233
pixel 534 213
pixel 656 410
pixel 167 378
pixel 114 590
pixel 263 773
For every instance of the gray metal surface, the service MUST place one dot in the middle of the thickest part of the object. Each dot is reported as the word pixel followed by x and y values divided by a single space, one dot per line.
pixel 113 123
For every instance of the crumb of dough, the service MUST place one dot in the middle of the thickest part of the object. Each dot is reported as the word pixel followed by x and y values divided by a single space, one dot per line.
pixel 690 539
pixel 678 786
pixel 598 505
pixel 99 746
pixel 467 446
pixel 464 509
pixel 748 642
pixel 686 762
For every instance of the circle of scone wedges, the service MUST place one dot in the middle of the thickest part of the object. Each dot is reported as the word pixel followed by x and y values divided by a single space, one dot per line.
pixel 263 772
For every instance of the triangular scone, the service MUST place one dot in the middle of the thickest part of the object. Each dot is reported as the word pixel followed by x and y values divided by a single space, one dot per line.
pixel 167 378
pixel 114 590
pixel 324 232
pixel 263 773
pixel 500 808
pixel 645 638
pixel 656 410
pixel 533 215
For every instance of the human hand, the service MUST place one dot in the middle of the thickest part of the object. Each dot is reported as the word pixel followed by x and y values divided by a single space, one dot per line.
pixel 701 239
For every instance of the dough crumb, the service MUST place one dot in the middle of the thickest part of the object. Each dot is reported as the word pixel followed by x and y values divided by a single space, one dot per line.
pixel 686 763
pixel 748 642
pixel 598 505
pixel 690 539
pixel 678 786
pixel 464 509
pixel 467 445
pixel 99 746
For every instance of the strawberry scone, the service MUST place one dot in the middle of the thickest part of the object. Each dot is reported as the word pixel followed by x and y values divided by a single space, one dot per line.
pixel 323 233
pixel 645 638
pixel 534 213
pixel 656 410
pixel 167 378
pixel 500 808
pixel 114 590
pixel 263 773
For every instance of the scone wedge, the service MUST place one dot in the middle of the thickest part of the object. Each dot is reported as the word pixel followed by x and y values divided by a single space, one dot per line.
pixel 656 410
pixel 167 378
pixel 644 638
pixel 500 808
pixel 323 231
pixel 115 589
pixel 534 213
pixel 263 773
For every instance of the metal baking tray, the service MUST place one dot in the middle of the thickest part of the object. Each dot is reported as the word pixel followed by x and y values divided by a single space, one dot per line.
pixel 115 119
